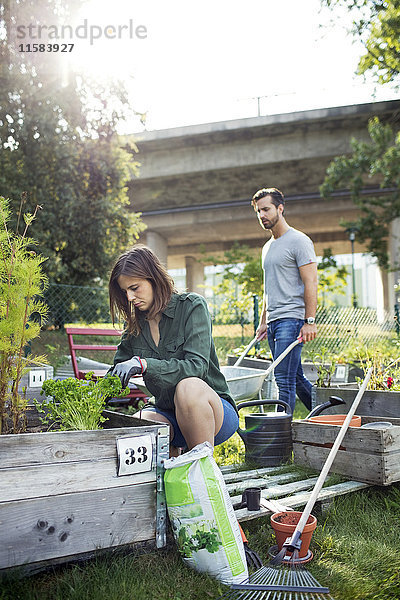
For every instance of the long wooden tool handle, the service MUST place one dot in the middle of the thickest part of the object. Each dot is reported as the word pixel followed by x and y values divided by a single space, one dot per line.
pixel 331 457
pixel 245 351
pixel 276 361
pixel 282 356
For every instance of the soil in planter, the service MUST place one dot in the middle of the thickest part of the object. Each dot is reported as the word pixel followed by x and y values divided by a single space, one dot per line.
pixel 290 519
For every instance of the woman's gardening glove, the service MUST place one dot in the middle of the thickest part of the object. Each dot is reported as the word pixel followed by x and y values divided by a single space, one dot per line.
pixel 127 369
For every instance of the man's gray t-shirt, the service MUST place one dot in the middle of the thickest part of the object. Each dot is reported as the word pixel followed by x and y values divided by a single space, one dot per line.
pixel 283 287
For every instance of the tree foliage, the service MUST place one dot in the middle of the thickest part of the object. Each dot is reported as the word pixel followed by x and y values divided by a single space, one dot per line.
pixel 58 142
pixel 377 24
pixel 383 43
pixel 376 161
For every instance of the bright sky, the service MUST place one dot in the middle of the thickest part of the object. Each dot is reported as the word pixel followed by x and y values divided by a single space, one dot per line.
pixel 207 61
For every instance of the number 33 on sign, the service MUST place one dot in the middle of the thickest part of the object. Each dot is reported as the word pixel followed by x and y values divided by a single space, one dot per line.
pixel 135 455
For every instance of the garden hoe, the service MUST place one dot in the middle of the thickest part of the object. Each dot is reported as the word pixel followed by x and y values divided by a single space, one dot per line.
pixel 277 581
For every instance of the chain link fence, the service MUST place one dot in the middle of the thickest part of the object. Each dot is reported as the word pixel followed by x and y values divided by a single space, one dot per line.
pixel 338 327
pixel 342 327
pixel 70 304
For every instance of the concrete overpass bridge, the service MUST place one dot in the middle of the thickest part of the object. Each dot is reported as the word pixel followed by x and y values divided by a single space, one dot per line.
pixel 195 182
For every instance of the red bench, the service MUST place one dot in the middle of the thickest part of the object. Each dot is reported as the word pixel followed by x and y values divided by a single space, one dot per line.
pixel 135 395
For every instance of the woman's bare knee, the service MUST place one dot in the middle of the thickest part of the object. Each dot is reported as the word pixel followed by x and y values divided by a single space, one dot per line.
pixel 199 410
pixel 187 387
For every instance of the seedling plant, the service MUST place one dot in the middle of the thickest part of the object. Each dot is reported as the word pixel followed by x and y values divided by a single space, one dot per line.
pixel 77 404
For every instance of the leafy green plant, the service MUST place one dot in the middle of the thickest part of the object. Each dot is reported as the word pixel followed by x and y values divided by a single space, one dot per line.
pixel 22 312
pixel 231 452
pixel 385 374
pixel 77 404
pixel 357 349
pixel 325 363
pixel 184 542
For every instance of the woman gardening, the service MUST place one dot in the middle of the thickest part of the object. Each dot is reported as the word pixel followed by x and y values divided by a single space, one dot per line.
pixel 168 340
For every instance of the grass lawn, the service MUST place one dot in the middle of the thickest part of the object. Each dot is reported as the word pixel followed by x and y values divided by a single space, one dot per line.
pixel 355 545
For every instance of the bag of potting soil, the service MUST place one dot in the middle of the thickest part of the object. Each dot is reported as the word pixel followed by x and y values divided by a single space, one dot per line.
pixel 202 517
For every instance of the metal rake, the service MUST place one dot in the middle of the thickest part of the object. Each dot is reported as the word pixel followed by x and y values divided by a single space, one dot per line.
pixel 279 583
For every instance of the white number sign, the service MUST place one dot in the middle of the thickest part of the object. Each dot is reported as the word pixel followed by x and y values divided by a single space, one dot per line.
pixel 340 372
pixel 135 455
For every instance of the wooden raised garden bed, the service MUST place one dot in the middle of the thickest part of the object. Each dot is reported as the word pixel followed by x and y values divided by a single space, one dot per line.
pixel 64 495
pixel 367 455
pixel 374 402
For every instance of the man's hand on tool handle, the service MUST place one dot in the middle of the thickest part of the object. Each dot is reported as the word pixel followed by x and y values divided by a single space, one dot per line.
pixel 308 332
pixel 261 332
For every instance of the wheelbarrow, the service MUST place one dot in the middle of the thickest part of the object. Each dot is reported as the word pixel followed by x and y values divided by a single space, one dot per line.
pixel 245 383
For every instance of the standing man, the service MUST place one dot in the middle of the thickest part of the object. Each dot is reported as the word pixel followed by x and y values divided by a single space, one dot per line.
pixel 290 294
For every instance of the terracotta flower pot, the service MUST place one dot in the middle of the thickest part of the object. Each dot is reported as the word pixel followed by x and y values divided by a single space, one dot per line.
pixel 335 420
pixel 284 524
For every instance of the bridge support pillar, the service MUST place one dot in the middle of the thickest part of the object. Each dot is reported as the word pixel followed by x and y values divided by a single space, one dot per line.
pixel 158 244
pixel 386 283
pixel 194 275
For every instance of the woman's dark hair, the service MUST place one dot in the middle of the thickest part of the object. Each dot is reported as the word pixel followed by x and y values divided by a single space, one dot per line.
pixel 142 263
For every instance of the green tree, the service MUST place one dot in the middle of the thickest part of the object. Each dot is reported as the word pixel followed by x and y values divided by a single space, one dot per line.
pixel 58 142
pixel 378 162
pixel 377 24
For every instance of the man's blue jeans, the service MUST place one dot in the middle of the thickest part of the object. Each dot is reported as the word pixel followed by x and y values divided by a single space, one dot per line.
pixel 289 374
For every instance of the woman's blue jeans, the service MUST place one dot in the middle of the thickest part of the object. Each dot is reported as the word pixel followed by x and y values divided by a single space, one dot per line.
pixel 289 374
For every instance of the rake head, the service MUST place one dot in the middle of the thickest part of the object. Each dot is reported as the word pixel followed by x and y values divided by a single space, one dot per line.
pixel 279 583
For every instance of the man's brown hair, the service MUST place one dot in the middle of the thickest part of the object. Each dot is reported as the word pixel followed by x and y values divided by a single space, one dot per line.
pixel 277 197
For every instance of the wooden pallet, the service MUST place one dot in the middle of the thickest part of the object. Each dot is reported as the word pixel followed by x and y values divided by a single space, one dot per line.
pixel 278 485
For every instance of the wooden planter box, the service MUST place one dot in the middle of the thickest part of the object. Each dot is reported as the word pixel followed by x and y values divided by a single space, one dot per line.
pixel 385 404
pixel 367 455
pixel 63 497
